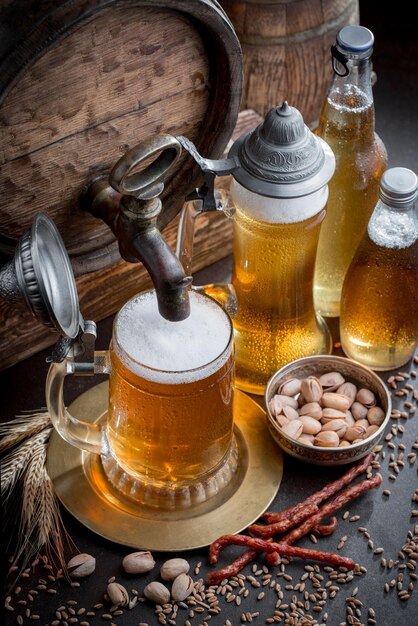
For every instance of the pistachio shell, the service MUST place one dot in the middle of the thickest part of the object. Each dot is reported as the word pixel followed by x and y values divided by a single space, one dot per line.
pixel 336 401
pixel 358 410
pixel 281 420
pixel 138 562
pixel 290 387
pixel 349 418
pixel 308 439
pixel 275 406
pixel 311 426
pixel 157 592
pixel 313 409
pixel 327 439
pixel 371 430
pixel 364 423
pixel 344 443
pixel 182 587
pixel 339 426
pixel 331 414
pixel 81 565
pixel 366 397
pixel 355 432
pixel 349 390
pixel 375 415
pixel 174 567
pixel 311 389
pixel 331 380
pixel 288 401
pixel 290 413
pixel 117 594
pixel 293 429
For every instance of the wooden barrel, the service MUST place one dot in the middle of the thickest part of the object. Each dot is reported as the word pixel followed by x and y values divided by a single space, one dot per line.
pixel 81 81
pixel 286 46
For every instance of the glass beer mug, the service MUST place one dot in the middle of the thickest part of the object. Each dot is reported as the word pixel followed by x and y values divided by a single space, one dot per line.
pixel 169 425
pixel 277 197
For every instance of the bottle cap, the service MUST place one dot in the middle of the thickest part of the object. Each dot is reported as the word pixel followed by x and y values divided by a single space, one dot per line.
pixel 398 187
pixel 355 42
pixel 282 158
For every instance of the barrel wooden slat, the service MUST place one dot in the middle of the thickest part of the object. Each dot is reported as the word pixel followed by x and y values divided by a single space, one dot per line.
pixel 128 69
pixel 50 179
pixel 286 49
pixel 82 81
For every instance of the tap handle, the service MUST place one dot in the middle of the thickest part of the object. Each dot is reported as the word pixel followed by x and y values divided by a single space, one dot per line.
pixel 149 182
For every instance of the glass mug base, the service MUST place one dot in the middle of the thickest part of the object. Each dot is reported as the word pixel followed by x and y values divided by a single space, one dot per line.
pixel 173 496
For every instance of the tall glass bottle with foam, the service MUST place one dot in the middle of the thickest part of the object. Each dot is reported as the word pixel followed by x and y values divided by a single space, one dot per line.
pixel 347 124
pixel 279 192
pixel 379 306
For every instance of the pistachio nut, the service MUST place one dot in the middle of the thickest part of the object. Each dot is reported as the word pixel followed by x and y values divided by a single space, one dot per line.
pixel 349 418
pixel 275 406
pixel 138 562
pixel 336 401
pixel 290 413
pixel 182 587
pixel 311 389
pixel 157 592
pixel 366 397
pixel 331 380
pixel 355 432
pixel 293 429
pixel 363 423
pixel 290 387
pixel 327 439
pixel 81 565
pixel 339 426
pixel 308 439
pixel 371 430
pixel 344 443
pixel 331 414
pixel 375 416
pixel 358 410
pixel 311 426
pixel 174 567
pixel 117 594
pixel 281 420
pixel 349 390
pixel 313 409
pixel 287 401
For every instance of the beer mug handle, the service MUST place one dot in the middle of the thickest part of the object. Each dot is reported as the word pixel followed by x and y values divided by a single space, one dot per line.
pixel 223 293
pixel 83 435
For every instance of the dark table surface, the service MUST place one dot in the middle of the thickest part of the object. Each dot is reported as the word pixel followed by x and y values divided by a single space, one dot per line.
pixel 388 519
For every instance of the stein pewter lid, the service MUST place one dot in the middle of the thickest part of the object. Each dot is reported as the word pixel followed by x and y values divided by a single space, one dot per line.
pixel 282 158
pixel 43 278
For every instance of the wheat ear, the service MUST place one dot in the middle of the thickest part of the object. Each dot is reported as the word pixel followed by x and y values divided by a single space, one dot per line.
pixel 23 426
pixel 15 462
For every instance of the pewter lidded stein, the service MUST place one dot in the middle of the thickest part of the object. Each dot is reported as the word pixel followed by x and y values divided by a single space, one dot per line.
pixel 278 192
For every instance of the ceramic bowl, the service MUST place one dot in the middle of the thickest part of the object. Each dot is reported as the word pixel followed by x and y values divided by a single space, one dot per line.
pixel 353 372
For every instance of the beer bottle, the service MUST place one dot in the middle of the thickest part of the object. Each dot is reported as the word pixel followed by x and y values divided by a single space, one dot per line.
pixel 379 305
pixel 347 125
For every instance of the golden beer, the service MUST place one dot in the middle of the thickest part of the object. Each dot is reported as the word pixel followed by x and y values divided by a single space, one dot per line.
pixel 273 277
pixel 170 409
pixel 379 306
pixel 347 125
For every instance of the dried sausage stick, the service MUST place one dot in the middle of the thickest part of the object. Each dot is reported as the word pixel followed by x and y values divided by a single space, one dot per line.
pixel 323 530
pixel 283 525
pixel 214 578
pixel 333 505
pixel 282 548
pixel 318 497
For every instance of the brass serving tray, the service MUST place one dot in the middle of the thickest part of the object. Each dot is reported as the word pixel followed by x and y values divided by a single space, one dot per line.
pixel 82 487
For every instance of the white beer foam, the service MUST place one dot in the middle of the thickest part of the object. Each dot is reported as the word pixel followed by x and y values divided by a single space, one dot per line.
pixel 172 352
pixel 278 210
